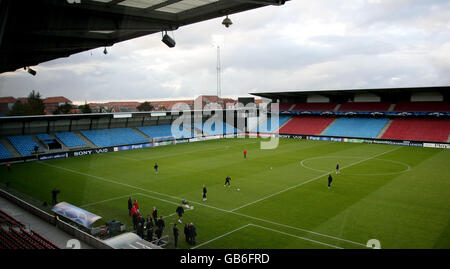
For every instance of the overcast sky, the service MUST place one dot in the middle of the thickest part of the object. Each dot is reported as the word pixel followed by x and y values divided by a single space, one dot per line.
pixel 303 45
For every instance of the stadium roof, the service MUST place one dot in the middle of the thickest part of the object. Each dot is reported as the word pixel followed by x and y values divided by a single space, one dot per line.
pixel 32 32
pixel 344 95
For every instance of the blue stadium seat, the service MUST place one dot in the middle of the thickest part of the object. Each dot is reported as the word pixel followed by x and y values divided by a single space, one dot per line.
pixel 70 139
pixel 4 153
pixel 23 143
pixel 114 137
pixel 356 127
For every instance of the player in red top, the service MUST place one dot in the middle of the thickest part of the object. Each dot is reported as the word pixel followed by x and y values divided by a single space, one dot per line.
pixel 245 154
pixel 8 165
pixel 136 205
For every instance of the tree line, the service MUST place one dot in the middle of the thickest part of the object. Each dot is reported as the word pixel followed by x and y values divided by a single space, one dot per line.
pixel 34 105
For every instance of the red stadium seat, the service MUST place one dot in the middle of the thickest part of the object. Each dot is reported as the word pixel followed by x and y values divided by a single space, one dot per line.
pixel 306 125
pixel 418 129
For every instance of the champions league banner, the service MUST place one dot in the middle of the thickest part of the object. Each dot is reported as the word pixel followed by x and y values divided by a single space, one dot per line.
pixel 75 214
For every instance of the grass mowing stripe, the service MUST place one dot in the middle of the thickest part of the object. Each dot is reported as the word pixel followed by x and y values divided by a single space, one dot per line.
pixel 269 229
pixel 223 235
pixel 205 205
pixel 310 180
pixel 299 237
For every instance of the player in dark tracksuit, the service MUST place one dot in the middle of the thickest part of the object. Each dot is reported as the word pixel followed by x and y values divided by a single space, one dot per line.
pixel 156 168
pixel 204 193
pixel 180 211
pixel 130 206
pixel 329 181
pixel 175 235
pixel 337 168
pixel 227 181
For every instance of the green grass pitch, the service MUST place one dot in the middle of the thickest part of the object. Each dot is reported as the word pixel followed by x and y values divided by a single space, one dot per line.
pixel 395 194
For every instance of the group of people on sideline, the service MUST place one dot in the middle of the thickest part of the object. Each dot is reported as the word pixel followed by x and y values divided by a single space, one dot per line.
pixel 152 227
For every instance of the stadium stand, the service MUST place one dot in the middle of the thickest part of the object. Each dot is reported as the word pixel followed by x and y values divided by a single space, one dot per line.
pixel 13 235
pixel 8 219
pixel 314 106
pixel 114 137
pixel 307 125
pixel 430 106
pixel 418 129
pixel 365 106
pixel 4 153
pixel 356 127
pixel 70 139
pixel 23 143
pixel 267 127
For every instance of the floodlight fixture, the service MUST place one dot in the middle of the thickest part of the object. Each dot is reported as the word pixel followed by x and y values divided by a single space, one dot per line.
pixel 227 22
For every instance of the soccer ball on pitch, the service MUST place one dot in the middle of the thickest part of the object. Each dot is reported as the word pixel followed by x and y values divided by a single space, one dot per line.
pixel 238 189
pixel 271 168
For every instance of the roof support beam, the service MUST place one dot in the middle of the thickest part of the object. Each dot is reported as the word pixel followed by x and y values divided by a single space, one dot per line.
pixel 163 4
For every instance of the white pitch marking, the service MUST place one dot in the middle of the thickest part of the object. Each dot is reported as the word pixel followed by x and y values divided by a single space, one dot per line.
pixel 310 180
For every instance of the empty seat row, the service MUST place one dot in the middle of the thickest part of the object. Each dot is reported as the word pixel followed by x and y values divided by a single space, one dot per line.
pixel 163 132
pixel 70 139
pixel 418 106
pixel 114 137
pixel 356 127
pixel 306 125
pixel 437 130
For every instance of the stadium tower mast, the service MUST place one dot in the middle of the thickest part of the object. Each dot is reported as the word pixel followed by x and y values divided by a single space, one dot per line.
pixel 218 72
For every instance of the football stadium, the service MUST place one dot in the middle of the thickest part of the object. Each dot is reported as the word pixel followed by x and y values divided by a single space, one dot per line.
pixel 364 168
pixel 392 180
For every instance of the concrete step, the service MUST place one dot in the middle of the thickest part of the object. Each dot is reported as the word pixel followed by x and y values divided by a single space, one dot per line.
pixel 391 107
pixel 281 126
pixel 384 129
pixel 143 134
pixel 328 127
pixel 87 141
pixel 337 107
